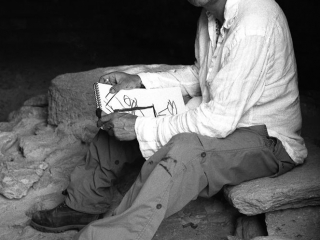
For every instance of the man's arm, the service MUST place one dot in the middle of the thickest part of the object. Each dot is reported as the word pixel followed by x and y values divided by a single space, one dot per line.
pixel 186 78
pixel 119 125
pixel 235 89
pixel 122 127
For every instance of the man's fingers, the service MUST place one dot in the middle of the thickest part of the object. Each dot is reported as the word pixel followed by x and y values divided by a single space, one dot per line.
pixel 107 117
pixel 113 78
pixel 99 123
pixel 104 119
pixel 107 126
pixel 105 79
pixel 121 80
pixel 116 88
pixel 110 131
pixel 109 78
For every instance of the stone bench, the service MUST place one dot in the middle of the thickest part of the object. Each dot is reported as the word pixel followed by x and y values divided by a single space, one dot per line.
pixel 291 202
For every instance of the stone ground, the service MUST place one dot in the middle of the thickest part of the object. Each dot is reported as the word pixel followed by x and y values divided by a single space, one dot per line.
pixel 25 75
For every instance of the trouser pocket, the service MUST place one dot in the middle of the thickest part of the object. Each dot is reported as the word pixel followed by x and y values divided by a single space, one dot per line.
pixel 285 162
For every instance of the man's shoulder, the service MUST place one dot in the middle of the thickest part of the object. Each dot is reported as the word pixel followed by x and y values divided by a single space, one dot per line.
pixel 264 8
pixel 256 16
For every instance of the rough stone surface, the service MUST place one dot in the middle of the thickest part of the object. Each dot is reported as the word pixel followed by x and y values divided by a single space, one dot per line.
pixel 36 160
pixel 200 219
pixel 297 188
pixel 233 238
pixel 24 120
pixel 37 101
pixel 28 112
pixel 38 147
pixel 248 227
pixel 17 178
pixel 301 223
pixel 71 97
pixel 29 146
pixel 271 238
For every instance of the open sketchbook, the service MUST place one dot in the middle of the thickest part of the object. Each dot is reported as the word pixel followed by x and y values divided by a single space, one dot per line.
pixel 140 102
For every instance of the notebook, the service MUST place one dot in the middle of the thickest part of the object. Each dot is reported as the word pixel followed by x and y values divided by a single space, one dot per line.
pixel 140 102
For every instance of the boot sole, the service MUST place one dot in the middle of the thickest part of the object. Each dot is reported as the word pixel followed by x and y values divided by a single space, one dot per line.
pixel 57 229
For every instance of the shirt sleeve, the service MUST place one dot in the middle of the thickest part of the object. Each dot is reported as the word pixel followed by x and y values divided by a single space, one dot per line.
pixel 240 79
pixel 186 78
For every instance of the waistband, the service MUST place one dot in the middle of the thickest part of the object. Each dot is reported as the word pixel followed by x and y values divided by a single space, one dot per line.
pixel 279 150
pixel 260 129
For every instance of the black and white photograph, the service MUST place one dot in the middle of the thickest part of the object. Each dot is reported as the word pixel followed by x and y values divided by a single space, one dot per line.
pixel 159 120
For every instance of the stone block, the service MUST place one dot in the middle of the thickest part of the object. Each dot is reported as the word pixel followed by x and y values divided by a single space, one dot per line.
pixel 297 188
pixel 17 178
pixel 30 146
pixel 37 101
pixel 7 141
pixel 28 112
pixel 248 227
pixel 271 238
pixel 38 147
pixel 296 224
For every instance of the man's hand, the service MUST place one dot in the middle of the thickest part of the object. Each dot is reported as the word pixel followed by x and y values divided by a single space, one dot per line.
pixel 119 125
pixel 121 80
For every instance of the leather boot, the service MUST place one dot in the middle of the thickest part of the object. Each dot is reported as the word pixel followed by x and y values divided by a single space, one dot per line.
pixel 61 218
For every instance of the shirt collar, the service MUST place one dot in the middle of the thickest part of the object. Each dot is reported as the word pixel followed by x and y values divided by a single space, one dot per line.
pixel 230 13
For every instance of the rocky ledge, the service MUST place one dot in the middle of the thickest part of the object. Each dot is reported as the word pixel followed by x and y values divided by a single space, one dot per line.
pixel 295 189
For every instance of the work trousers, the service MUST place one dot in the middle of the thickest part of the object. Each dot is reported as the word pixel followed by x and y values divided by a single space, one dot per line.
pixel 189 165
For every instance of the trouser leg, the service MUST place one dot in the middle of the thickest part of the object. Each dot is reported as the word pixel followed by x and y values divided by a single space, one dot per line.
pixel 165 178
pixel 91 183
pixel 177 173
pixel 246 154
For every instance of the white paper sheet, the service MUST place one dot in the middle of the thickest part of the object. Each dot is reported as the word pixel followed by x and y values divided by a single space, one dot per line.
pixel 157 102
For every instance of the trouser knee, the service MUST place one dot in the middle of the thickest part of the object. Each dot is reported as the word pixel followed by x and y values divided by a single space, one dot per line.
pixel 184 146
pixel 184 139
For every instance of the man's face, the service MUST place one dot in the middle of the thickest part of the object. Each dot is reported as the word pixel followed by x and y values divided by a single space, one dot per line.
pixel 199 3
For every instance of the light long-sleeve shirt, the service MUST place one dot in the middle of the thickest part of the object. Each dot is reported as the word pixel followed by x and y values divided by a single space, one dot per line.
pixel 245 74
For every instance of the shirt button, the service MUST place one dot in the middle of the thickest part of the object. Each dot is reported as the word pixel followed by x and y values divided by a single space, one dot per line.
pixel 150 162
pixel 117 162
pixel 159 206
pixel 203 154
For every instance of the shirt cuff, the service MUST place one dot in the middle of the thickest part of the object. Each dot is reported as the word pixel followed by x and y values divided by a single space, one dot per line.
pixel 146 131
pixel 149 80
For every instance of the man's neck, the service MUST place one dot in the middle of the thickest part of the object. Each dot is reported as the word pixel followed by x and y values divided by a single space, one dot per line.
pixel 216 7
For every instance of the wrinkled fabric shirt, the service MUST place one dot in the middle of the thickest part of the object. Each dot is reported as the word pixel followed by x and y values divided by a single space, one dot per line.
pixel 245 74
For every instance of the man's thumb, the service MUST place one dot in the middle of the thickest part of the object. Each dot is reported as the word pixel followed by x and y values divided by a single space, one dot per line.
pixel 116 88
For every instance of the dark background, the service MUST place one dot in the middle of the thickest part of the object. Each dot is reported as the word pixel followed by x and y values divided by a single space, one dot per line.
pixel 41 39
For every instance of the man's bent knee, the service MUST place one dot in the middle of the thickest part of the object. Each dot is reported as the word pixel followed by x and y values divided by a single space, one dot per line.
pixel 184 139
pixel 184 146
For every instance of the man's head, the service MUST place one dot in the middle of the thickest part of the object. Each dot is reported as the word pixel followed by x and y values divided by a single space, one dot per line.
pixel 216 7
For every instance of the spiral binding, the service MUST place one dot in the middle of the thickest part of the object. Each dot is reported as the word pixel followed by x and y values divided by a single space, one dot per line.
pixel 97 94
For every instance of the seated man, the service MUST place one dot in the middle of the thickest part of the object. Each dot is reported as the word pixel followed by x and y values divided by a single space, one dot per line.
pixel 243 123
